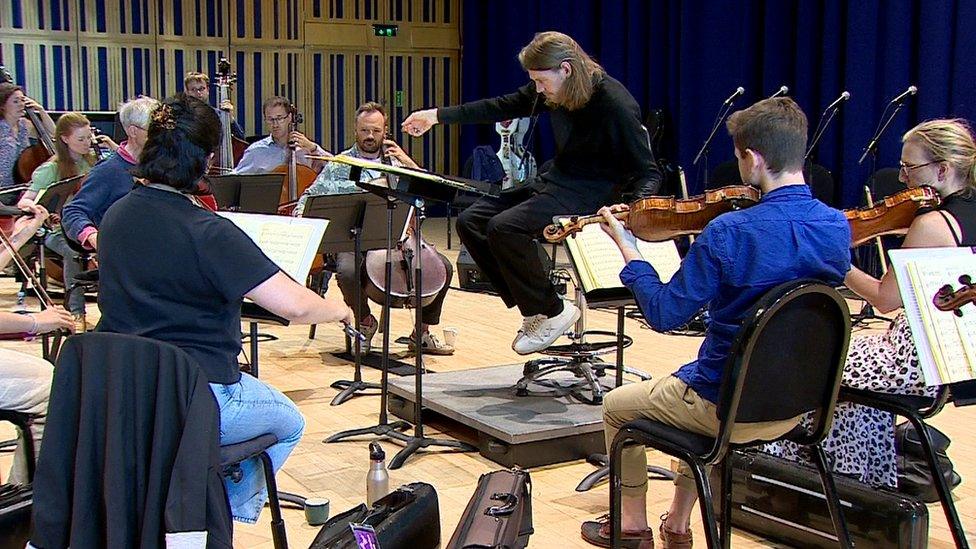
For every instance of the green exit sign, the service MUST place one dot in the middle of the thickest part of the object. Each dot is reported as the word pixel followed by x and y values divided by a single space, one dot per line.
pixel 384 30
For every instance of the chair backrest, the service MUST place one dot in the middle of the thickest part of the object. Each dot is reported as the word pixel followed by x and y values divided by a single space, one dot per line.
pixel 132 428
pixel 884 182
pixel 821 183
pixel 788 357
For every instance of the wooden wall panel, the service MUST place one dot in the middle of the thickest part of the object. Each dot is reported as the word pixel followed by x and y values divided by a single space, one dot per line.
pixel 92 54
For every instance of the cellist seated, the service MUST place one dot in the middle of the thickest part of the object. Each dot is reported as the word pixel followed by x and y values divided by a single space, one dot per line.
pixel 371 143
pixel 265 155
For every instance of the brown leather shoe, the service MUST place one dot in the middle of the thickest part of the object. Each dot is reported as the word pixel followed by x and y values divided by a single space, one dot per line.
pixel 597 532
pixel 674 540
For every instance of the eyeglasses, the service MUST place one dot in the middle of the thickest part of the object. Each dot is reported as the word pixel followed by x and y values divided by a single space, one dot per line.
pixel 276 120
pixel 906 167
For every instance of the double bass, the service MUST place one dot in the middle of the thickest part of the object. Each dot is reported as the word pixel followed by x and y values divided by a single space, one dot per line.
pixel 231 148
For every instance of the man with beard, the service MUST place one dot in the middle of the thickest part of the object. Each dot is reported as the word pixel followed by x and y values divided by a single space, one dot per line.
pixel 601 150
pixel 372 144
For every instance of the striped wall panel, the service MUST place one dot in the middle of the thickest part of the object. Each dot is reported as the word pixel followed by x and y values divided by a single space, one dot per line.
pixel 191 18
pixel 122 18
pixel 263 73
pixel 424 81
pixel 338 82
pixel 110 74
pixel 343 10
pixel 47 69
pixel 422 11
pixel 37 15
pixel 256 21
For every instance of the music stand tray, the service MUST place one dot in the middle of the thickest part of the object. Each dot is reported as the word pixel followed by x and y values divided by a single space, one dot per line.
pixel 57 195
pixel 248 193
pixel 346 212
pixel 10 195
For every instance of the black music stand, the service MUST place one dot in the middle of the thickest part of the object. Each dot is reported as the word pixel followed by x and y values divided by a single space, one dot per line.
pixel 10 195
pixel 53 199
pixel 410 187
pixel 354 225
pixel 248 193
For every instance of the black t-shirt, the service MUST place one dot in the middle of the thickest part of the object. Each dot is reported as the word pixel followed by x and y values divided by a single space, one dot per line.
pixel 172 271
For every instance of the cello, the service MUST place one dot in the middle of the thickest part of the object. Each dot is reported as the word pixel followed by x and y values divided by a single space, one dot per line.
pixel 37 154
pixel 231 148
pixel 659 218
pixel 402 282
pixel 298 176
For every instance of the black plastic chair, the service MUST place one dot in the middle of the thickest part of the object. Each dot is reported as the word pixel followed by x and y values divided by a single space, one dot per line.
pixel 23 423
pixel 787 359
pixel 231 457
pixel 916 409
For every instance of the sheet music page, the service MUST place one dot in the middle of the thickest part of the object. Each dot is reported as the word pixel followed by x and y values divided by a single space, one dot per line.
pixel 599 262
pixel 944 342
pixel 291 242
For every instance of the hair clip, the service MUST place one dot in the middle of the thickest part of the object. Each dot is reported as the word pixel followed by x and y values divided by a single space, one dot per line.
pixel 163 117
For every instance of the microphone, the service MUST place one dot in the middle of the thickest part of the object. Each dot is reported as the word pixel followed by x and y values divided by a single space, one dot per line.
pixel 843 97
pixel 912 90
pixel 738 91
pixel 783 90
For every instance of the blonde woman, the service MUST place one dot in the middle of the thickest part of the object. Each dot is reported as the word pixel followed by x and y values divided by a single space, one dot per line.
pixel 940 154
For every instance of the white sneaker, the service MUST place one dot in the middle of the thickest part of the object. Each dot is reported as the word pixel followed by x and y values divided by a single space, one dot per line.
pixel 540 331
pixel 526 321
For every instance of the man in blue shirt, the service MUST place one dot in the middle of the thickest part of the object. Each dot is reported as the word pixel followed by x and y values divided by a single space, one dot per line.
pixel 264 155
pixel 738 257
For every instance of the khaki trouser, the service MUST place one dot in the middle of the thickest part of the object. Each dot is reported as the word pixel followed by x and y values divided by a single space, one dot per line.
pixel 670 401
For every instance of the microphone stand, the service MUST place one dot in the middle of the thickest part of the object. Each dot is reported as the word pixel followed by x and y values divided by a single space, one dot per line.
pixel 822 124
pixel 703 151
pixel 867 311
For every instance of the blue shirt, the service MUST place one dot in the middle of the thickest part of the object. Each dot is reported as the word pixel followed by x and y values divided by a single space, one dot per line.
pixel 265 155
pixel 740 256
pixel 107 182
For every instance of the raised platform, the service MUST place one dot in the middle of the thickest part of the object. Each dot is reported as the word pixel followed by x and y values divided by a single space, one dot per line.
pixel 548 426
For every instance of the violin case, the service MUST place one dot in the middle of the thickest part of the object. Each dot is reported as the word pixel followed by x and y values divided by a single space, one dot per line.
pixel 782 500
pixel 499 514
pixel 407 518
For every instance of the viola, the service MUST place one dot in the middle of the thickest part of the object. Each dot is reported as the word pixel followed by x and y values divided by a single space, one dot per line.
pixel 893 215
pixel 947 299
pixel 402 281
pixel 231 148
pixel 299 176
pixel 660 218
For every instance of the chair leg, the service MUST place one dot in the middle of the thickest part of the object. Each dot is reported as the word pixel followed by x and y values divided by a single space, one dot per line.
pixel 277 522
pixel 726 499
pixel 705 503
pixel 616 503
pixel 945 495
pixel 833 501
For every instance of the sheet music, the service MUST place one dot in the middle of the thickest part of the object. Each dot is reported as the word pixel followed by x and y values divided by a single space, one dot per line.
pixel 599 261
pixel 291 242
pixel 945 342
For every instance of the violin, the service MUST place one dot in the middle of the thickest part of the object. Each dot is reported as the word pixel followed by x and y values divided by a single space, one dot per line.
pixel 660 218
pixel 893 215
pixel 402 281
pixel 299 176
pixel 947 299
pixel 231 148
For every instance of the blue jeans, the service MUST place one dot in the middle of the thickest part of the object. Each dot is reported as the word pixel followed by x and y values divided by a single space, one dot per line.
pixel 248 409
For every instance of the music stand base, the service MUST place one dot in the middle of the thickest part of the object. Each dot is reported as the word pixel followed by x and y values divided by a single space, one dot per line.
pixel 388 430
pixel 349 388
pixel 417 443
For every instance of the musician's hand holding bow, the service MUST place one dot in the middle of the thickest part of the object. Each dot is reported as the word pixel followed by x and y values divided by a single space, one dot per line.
pixel 619 232
pixel 419 122
pixel 53 318
pixel 392 150
pixel 25 227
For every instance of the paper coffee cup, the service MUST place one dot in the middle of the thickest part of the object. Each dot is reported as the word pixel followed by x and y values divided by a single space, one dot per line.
pixel 316 511
pixel 450 336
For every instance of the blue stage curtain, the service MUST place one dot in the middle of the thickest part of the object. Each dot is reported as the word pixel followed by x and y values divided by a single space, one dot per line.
pixel 687 56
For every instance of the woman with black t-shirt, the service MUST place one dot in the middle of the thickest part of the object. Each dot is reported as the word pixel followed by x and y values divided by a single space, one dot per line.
pixel 172 270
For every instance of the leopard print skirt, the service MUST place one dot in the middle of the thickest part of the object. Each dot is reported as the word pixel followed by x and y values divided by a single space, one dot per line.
pixel 861 442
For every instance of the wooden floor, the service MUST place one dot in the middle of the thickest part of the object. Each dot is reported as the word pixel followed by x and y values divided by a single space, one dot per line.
pixel 304 369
